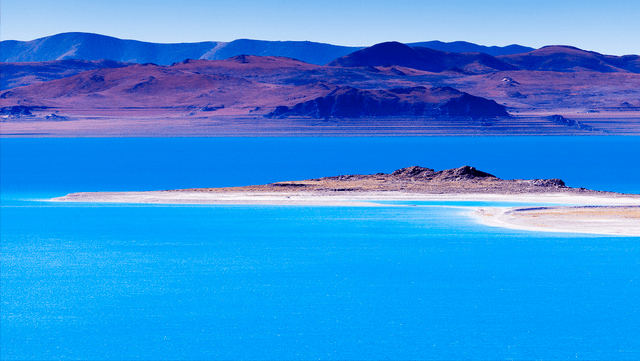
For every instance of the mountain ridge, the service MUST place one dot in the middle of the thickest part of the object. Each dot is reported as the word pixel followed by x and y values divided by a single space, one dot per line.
pixel 89 46
pixel 395 53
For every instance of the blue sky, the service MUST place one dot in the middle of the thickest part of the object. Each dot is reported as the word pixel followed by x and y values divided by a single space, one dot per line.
pixel 610 27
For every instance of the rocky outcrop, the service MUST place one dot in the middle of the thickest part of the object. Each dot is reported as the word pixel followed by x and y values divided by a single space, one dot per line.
pixel 465 179
pixel 549 183
pixel 413 172
pixel 463 173
pixel 414 180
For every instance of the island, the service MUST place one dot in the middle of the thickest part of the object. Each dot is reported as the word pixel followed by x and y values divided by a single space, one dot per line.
pixel 575 210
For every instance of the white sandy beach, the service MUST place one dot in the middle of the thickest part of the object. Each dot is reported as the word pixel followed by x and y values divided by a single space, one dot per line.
pixel 360 198
pixel 609 220
pixel 615 215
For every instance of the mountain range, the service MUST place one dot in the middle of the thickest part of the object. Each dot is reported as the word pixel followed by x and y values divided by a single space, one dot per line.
pixel 241 85
pixel 385 80
pixel 87 46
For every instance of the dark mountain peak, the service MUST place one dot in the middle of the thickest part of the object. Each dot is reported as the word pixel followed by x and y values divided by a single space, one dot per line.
pixel 383 54
pixel 421 58
pixel 389 46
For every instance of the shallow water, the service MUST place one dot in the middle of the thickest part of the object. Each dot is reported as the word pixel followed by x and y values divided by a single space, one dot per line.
pixel 105 281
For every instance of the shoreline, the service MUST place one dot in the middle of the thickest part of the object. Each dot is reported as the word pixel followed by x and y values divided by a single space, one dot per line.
pixel 596 220
pixel 570 213
pixel 350 198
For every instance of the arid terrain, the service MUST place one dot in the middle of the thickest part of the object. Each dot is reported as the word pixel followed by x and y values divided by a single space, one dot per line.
pixel 389 88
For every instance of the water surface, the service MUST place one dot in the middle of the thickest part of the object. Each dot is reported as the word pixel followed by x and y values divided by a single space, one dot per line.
pixel 113 282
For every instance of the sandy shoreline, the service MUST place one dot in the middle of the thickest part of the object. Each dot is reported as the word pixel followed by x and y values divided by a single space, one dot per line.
pixel 350 198
pixel 605 220
pixel 614 215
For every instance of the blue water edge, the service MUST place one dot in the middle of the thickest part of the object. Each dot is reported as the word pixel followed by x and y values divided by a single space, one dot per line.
pixel 198 282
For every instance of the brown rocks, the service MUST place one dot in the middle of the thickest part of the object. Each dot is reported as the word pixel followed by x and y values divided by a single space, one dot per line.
pixel 417 180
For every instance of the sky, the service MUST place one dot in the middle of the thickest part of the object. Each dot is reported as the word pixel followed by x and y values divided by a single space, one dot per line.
pixel 610 27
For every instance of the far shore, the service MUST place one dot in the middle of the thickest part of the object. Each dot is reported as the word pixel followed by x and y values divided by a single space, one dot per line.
pixel 608 214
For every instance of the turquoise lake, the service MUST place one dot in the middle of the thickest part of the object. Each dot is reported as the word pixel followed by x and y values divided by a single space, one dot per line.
pixel 167 282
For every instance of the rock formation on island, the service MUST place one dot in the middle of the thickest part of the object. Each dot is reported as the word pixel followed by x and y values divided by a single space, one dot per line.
pixel 413 180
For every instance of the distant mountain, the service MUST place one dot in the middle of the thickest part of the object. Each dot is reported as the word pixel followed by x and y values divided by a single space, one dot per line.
pixel 394 53
pixel 88 46
pixel 465 47
pixel 389 53
pixel 307 51
pixel 571 59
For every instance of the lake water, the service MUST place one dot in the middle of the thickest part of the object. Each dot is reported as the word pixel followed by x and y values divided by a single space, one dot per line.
pixel 100 281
